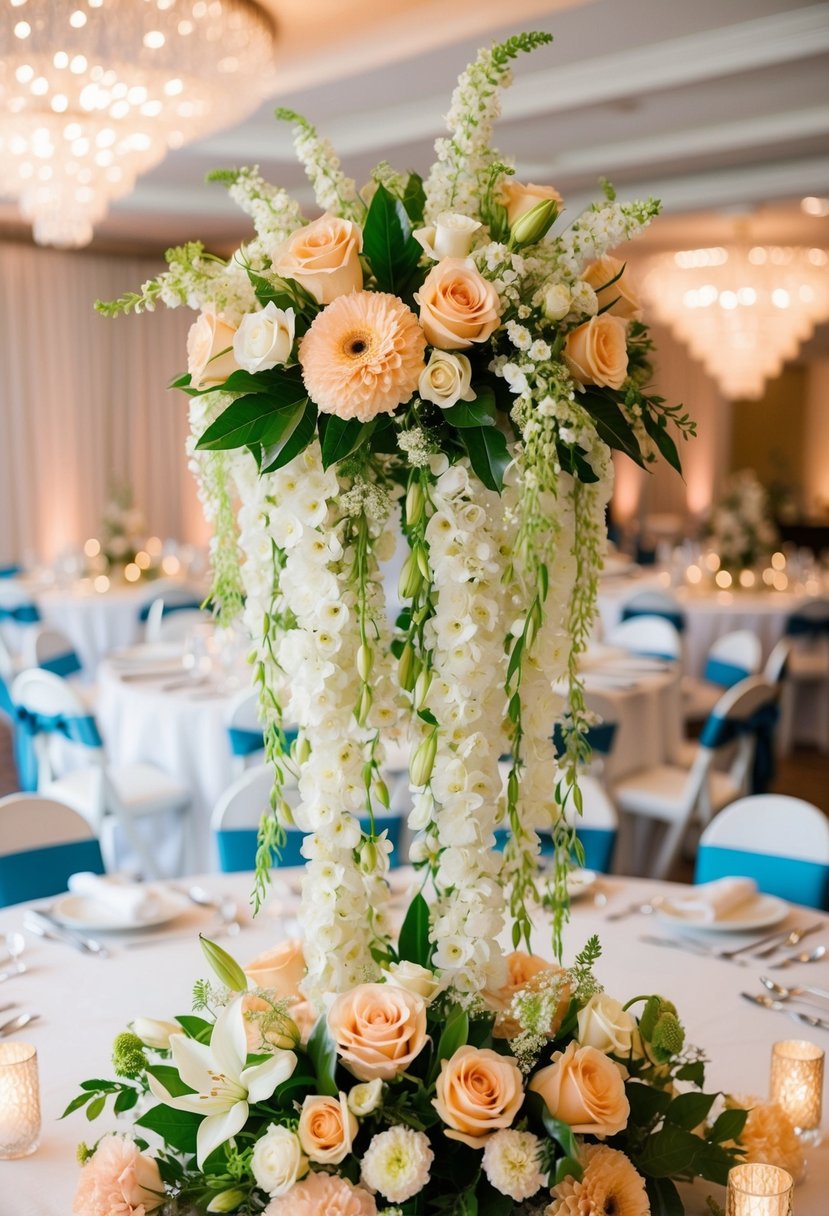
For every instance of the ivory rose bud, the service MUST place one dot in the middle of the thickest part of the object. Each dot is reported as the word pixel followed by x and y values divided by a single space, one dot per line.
pixel 605 1025
pixel 477 1092
pixel 596 352
pixel 458 307
pixel 264 338
pixel 326 1129
pixel 446 379
pixel 278 1160
pixel 154 1033
pixel 450 236
pixel 210 357
pixel 323 257
pixel 364 1098
pixel 280 970
pixel 622 291
pixel 414 978
pixel 585 1089
pixel 378 1029
pixel 557 302
pixel 519 199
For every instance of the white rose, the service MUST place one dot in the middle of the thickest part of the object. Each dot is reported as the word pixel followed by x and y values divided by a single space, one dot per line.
pixel 446 379
pixel 278 1160
pixel 605 1025
pixel 414 978
pixel 449 237
pixel 153 1033
pixel 557 301
pixel 365 1097
pixel 264 338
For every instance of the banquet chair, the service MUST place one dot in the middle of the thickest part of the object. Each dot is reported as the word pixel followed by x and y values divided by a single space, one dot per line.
pixel 236 816
pixel 806 685
pixel 653 637
pixel 655 602
pixel 18 612
pixel 172 622
pixel 9 667
pixel 244 730
pixel 52 715
pixel 738 731
pixel 42 843
pixel 731 658
pixel 11 571
pixel 50 650
pixel 780 842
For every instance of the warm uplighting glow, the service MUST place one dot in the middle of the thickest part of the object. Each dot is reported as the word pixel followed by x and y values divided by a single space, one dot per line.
pixel 815 206
pixel 778 561
pixel 92 547
pixel 693 574
pixel 153 546
pixel 101 583
pixel 779 581
pixel 143 560
pixel 170 564
pixel 742 311
pixel 127 71
pixel 132 573
pixel 747 578
pixel 712 561
pixel 723 579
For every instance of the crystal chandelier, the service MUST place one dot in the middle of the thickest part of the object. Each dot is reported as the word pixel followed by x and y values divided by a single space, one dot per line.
pixel 742 310
pixel 94 92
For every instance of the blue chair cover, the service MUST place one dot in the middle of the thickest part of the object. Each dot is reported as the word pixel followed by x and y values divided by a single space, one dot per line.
pixel 10 571
pixel 67 664
pixel 185 605
pixel 81 729
pixel 676 618
pixel 37 873
pixel 717 732
pixel 600 738
pixel 718 671
pixel 22 614
pixel 6 703
pixel 598 845
pixel 804 626
pixel 245 742
pixel 792 878
pixel 237 846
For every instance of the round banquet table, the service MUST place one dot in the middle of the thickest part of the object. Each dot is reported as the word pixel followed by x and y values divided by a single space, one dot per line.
pixel 74 1033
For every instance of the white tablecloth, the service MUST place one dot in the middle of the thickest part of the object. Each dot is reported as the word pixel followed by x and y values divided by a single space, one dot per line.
pixel 74 1036
pixel 647 712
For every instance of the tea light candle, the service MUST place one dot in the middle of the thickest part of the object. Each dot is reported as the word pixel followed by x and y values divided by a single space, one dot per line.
pixel 758 1190
pixel 19 1100
pixel 797 1084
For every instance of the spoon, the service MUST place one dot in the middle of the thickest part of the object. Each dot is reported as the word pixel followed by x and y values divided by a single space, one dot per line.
pixel 15 945
pixel 768 1002
pixel 783 994
pixel 805 956
pixel 13 1024
pixel 644 909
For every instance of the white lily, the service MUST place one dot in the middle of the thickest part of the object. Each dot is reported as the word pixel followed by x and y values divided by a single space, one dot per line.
pixel 223 1086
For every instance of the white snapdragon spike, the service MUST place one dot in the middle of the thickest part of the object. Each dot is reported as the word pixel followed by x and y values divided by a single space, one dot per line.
pixel 214 482
pixel 333 191
pixel 274 213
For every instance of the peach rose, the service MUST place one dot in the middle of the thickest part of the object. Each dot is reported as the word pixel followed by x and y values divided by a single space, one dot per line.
pixel 280 970
pixel 596 352
pixel 378 1029
pixel 326 1129
pixel 210 358
pixel 478 1092
pixel 585 1089
pixel 323 257
pixel 266 1027
pixel 519 199
pixel 526 973
pixel 623 293
pixel 118 1179
pixel 458 307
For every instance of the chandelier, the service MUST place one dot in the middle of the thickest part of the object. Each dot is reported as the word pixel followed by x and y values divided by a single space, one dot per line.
pixel 94 92
pixel 742 310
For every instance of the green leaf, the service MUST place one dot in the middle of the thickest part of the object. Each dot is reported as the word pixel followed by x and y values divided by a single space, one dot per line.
pixel 689 1110
pixel 413 943
pixel 76 1104
pixel 296 433
pixel 323 1054
pixel 258 418
pixel 669 1151
pixel 657 428
pixel 693 1072
pixel 126 1100
pixel 168 1076
pixel 647 1104
pixel 388 242
pixel 565 1168
pixel 96 1085
pixel 196 1028
pixel 562 1133
pixel 95 1107
pixel 454 1035
pixel 176 1127
pixel 572 461
pixel 612 426
pixel 480 412
pixel 492 1202
pixel 664 1197
pixel 728 1125
pixel 487 450
pixel 339 438
pixel 414 199
pixel 182 382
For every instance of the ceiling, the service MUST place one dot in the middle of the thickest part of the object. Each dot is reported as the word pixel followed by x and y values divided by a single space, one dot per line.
pixel 710 105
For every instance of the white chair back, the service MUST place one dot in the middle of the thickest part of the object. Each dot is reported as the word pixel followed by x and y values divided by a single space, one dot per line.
pixel 775 668
pixel 650 636
pixel 653 602
pixel 152 625
pixel 44 693
pixel 245 801
pixel 43 645
pixel 176 626
pixel 31 821
pixel 8 660
pixel 774 824
pixel 243 717
pixel 738 649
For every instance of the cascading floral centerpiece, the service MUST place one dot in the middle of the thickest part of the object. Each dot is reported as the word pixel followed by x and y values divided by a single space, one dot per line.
pixel 438 351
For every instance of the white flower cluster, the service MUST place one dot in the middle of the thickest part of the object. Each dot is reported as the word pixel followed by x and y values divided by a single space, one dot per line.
pixel 740 529
pixel 505 270
pixel 460 807
pixel 212 474
pixel 200 281
pixel 274 213
pixel 596 231
pixel 397 1163
pixel 333 191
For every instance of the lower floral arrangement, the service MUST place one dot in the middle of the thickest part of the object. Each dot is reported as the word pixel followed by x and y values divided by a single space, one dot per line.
pixel 545 1096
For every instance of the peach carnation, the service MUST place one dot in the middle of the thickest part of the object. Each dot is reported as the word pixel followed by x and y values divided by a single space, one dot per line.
pixel 323 1195
pixel 363 355
pixel 610 1183
pixel 769 1138
pixel 119 1181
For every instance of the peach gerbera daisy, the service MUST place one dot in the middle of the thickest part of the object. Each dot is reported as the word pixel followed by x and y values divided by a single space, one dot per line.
pixel 610 1186
pixel 769 1138
pixel 363 355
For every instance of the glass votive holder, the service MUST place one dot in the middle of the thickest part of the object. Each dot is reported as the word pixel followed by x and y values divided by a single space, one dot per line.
pixel 758 1190
pixel 797 1085
pixel 19 1100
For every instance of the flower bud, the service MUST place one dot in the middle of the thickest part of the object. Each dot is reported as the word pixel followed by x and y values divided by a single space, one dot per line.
pixel 406 668
pixel 301 749
pixel 530 227
pixel 363 1099
pixel 285 813
pixel 410 579
pixel 227 1201
pixel 557 302
pixel 226 968
pixel 365 661
pixel 421 688
pixel 364 704
pixel 154 1033
pixel 415 502
pixel 423 760
pixel 381 792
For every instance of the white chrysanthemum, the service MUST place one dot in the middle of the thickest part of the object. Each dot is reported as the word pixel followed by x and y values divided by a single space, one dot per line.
pixel 511 1163
pixel 397 1163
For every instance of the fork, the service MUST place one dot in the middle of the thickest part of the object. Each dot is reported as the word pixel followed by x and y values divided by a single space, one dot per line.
pixel 791 939
pixel 645 909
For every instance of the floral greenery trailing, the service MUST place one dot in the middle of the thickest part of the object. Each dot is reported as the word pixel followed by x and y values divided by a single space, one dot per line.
pixel 444 354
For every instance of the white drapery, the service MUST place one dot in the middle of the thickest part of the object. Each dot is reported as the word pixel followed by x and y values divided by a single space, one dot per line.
pixel 84 402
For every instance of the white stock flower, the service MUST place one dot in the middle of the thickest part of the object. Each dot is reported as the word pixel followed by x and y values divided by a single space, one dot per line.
pixel 446 379
pixel 278 1160
pixel 511 1164
pixel 397 1163
pixel 265 338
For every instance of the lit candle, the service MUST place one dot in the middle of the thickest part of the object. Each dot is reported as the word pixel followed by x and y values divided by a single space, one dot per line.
pixel 758 1190
pixel 797 1084
pixel 19 1100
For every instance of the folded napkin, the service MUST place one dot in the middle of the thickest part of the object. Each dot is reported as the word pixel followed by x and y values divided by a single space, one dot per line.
pixel 132 900
pixel 713 901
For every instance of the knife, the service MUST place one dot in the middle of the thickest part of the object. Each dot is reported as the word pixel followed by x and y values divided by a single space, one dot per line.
pixel 45 925
pixel 13 1024
pixel 768 1002
pixel 685 943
